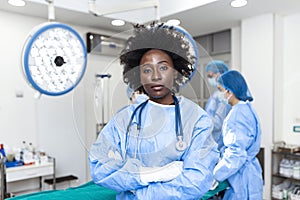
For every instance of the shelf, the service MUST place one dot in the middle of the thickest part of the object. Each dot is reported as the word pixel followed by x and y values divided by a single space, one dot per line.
pixel 285 177
pixel 29 171
pixel 286 153
pixel 277 178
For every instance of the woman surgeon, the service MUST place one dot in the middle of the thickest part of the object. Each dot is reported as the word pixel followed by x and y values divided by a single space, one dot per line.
pixel 241 138
pixel 161 148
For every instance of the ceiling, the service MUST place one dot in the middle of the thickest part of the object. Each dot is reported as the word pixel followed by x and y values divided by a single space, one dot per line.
pixel 198 20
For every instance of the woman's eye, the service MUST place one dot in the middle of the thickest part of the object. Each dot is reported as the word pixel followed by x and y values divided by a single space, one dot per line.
pixel 163 67
pixel 146 70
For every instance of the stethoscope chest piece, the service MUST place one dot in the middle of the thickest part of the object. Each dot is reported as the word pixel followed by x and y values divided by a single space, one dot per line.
pixel 180 145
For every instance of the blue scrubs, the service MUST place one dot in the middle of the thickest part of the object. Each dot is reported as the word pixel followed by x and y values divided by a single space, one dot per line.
pixel 113 167
pixel 217 110
pixel 239 165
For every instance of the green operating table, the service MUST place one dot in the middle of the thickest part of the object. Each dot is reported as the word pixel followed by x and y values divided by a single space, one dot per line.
pixel 91 191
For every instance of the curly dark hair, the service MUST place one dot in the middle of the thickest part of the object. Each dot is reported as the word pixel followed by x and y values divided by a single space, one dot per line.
pixel 162 37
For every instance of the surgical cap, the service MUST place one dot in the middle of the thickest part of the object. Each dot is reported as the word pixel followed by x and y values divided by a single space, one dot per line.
pixel 129 92
pixel 217 66
pixel 234 81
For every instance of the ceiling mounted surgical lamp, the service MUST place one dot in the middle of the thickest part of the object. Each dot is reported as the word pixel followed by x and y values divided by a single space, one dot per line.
pixel 54 57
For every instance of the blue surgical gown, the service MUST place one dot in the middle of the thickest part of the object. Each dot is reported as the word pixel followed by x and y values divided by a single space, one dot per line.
pixel 217 110
pixel 154 146
pixel 239 165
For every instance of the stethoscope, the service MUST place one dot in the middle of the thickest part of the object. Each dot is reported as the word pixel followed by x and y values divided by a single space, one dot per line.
pixel 180 144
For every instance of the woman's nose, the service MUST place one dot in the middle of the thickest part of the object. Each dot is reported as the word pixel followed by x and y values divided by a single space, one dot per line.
pixel 156 75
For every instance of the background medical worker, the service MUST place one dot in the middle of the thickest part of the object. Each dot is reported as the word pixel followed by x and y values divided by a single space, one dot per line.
pixel 241 136
pixel 215 107
pixel 161 148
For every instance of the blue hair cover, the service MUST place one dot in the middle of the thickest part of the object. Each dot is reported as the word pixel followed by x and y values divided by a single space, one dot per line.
pixel 217 66
pixel 233 81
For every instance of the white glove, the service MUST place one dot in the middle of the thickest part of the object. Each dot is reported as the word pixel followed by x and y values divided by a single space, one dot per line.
pixel 114 155
pixel 161 174
pixel 214 185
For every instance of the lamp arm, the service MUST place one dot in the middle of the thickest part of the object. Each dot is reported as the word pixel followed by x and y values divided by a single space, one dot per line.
pixel 99 11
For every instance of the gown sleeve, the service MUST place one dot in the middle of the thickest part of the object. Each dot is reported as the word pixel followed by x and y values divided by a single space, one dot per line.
pixel 217 110
pixel 237 136
pixel 108 167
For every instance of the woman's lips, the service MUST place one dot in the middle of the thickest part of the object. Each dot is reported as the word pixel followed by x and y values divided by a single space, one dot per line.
pixel 157 87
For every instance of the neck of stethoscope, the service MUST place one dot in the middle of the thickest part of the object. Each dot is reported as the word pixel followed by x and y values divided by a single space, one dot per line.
pixel 139 109
pixel 178 123
pixel 180 145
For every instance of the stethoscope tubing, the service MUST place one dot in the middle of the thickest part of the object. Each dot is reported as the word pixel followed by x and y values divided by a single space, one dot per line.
pixel 178 122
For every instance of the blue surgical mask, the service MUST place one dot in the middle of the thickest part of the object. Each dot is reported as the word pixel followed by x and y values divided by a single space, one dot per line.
pixel 212 82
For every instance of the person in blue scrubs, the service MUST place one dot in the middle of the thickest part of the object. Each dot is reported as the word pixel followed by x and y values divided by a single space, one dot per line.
pixel 161 148
pixel 241 137
pixel 215 107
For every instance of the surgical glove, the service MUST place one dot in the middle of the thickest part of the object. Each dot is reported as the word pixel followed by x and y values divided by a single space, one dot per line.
pixel 161 174
pixel 214 185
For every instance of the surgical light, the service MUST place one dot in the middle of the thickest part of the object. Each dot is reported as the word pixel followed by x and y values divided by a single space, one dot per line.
pixel 18 3
pixel 54 58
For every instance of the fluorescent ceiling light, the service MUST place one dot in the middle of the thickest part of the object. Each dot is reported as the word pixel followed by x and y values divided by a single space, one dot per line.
pixel 173 22
pixel 238 3
pixel 117 22
pixel 16 2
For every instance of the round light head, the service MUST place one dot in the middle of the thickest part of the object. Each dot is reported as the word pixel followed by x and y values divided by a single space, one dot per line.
pixel 54 58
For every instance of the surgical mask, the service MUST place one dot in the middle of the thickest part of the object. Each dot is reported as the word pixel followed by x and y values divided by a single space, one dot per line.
pixel 220 95
pixel 212 82
pixel 226 100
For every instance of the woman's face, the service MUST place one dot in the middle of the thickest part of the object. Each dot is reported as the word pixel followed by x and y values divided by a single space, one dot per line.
pixel 157 75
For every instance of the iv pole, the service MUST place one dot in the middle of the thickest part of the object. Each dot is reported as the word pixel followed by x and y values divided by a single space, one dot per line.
pixel 101 77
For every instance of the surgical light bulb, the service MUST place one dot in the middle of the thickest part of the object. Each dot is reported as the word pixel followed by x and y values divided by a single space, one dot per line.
pixel 54 59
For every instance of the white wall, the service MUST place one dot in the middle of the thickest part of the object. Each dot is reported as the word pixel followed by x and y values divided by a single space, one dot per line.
pixel 236 48
pixel 257 65
pixel 291 79
pixel 17 115
pixel 64 126
pixel 270 48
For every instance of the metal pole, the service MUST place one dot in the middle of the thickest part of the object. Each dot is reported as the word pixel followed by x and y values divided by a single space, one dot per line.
pixel 51 11
pixel 3 177
pixel 102 76
pixel 156 10
pixel 102 100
